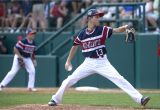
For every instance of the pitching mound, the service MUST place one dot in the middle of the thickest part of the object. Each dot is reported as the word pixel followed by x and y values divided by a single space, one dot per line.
pixel 64 107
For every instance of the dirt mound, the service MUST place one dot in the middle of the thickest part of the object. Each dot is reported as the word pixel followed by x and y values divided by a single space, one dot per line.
pixel 64 107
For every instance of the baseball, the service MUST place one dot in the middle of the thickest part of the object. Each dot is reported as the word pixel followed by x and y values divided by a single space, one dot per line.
pixel 69 68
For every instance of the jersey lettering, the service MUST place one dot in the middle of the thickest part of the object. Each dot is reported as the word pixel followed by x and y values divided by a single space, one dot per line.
pixel 91 44
pixel 29 49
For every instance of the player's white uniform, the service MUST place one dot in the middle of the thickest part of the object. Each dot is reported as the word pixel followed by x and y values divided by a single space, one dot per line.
pixel 93 48
pixel 26 48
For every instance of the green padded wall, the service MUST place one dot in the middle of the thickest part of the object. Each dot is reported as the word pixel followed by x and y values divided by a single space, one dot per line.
pixel 147 61
pixel 46 71
pixel 137 62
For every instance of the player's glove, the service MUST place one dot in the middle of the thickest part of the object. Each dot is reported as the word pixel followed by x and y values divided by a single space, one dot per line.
pixel 21 62
pixel 130 35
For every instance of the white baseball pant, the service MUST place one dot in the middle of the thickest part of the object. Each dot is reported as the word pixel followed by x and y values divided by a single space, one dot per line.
pixel 15 68
pixel 103 67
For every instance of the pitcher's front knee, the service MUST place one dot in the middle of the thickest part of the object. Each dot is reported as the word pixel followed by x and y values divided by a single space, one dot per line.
pixel 12 72
pixel 70 81
pixel 31 72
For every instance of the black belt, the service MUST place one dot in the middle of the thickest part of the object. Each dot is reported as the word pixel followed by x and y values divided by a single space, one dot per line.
pixel 25 56
pixel 95 56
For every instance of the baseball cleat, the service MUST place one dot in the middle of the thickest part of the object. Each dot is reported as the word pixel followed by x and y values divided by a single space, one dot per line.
pixel 144 100
pixel 1 87
pixel 52 103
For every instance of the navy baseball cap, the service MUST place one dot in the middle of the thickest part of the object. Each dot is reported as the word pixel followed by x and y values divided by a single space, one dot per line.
pixel 94 12
pixel 30 32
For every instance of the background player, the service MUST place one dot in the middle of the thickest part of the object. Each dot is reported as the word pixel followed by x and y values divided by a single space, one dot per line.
pixel 92 41
pixel 24 49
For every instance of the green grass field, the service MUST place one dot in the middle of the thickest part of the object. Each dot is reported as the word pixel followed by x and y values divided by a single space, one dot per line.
pixel 117 99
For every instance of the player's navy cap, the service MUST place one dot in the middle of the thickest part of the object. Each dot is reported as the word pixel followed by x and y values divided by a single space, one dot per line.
pixel 94 12
pixel 30 32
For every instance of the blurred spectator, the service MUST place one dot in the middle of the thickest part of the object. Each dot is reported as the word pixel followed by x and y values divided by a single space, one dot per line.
pixel 151 17
pixel 7 23
pixel 48 5
pixel 68 5
pixel 38 16
pixel 59 14
pixel 96 2
pixel 4 20
pixel 2 15
pixel 27 12
pixel 76 5
pixel 111 12
pixel 86 4
pixel 16 14
pixel 127 12
pixel 3 49
pixel 156 6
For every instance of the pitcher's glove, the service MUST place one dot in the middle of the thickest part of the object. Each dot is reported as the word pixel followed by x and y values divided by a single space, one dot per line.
pixel 130 35
pixel 21 62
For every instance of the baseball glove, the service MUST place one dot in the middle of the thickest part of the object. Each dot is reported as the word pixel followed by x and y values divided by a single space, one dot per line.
pixel 21 62
pixel 130 35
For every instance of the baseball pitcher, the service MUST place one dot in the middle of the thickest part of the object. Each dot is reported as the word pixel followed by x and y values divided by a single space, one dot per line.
pixel 92 42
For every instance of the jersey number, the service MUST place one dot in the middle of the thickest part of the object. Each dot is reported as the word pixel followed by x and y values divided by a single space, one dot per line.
pixel 99 52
